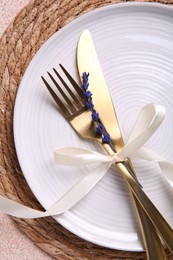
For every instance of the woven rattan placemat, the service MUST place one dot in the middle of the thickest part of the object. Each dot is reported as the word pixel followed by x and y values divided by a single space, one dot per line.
pixel 25 35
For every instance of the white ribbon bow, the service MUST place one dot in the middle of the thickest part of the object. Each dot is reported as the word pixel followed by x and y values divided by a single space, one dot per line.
pixel 149 119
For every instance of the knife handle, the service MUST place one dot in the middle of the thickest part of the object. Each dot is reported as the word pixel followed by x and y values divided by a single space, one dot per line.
pixel 155 216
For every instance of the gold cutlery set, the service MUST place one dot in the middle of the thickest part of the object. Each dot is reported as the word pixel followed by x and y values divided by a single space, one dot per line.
pixel 72 104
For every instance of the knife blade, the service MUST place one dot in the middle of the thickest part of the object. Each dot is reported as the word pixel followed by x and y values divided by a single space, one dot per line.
pixel 88 61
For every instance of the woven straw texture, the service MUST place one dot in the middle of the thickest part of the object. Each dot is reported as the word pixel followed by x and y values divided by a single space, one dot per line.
pixel 25 35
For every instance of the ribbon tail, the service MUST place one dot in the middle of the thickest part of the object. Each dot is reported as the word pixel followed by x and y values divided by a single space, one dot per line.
pixel 67 201
pixel 165 166
pixel 18 210
pixel 167 169
pixel 80 190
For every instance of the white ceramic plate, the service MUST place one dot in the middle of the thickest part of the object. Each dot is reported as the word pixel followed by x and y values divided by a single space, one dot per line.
pixel 135 46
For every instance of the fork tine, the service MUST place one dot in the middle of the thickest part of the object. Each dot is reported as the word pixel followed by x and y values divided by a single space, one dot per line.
pixel 62 93
pixel 72 81
pixel 60 104
pixel 77 101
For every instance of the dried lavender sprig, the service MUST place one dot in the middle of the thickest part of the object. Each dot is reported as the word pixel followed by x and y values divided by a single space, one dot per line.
pixel 94 114
pixel 95 117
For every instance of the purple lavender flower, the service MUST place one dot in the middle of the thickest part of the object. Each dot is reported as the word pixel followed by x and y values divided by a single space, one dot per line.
pixel 89 104
pixel 85 77
pixel 106 138
pixel 87 94
pixel 95 115
pixel 85 86
pixel 100 129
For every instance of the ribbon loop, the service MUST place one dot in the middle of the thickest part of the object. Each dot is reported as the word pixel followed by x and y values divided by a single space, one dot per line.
pixel 149 119
pixel 79 156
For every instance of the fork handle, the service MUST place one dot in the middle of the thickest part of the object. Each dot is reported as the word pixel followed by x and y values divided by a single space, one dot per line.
pixel 156 218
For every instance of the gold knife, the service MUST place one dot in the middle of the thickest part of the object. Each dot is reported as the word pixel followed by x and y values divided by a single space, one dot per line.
pixel 88 62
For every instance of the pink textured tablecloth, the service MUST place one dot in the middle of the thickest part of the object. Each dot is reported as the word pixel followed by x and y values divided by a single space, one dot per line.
pixel 14 245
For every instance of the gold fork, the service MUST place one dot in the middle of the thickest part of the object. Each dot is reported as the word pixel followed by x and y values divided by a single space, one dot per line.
pixel 72 105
